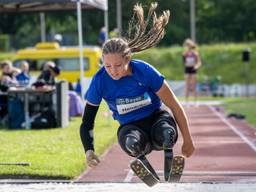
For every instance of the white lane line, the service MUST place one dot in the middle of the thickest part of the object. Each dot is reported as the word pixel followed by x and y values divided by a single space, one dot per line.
pixel 160 173
pixel 245 139
pixel 129 176
pixel 215 173
pixel 200 103
pixel 218 142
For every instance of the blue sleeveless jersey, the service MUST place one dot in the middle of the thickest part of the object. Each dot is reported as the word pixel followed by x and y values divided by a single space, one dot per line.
pixel 130 98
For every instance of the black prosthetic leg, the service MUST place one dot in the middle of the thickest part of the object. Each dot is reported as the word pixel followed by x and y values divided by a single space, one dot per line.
pixel 178 165
pixel 168 153
pixel 173 165
pixel 140 166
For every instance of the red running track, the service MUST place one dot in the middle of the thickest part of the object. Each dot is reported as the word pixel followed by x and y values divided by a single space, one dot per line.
pixel 225 152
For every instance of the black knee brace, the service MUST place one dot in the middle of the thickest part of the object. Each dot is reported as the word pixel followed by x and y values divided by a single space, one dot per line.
pixel 164 134
pixel 134 141
pixel 169 135
pixel 133 145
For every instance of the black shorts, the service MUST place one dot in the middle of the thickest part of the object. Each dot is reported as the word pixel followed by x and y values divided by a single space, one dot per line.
pixel 148 128
pixel 190 70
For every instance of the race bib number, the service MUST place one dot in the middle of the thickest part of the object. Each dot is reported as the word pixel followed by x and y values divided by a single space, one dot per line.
pixel 190 61
pixel 126 105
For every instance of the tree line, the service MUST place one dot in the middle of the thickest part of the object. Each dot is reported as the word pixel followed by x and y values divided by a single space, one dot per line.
pixel 216 21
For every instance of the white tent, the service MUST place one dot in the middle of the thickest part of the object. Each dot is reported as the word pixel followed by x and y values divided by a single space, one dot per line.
pixel 49 5
pixel 9 6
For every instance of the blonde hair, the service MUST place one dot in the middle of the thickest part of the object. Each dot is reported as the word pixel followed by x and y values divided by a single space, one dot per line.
pixel 190 42
pixel 5 63
pixel 140 35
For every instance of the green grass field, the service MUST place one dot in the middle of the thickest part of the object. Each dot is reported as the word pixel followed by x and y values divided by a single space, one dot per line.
pixel 53 153
pixel 245 106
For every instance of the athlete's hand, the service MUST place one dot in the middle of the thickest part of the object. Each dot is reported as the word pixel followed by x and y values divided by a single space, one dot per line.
pixel 196 67
pixel 188 148
pixel 92 159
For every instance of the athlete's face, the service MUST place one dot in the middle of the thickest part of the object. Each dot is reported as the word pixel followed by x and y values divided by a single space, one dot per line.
pixel 189 46
pixel 116 65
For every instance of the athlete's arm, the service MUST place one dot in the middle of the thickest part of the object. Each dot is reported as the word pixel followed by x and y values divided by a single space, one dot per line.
pixel 170 100
pixel 198 61
pixel 183 58
pixel 86 133
pixel 86 128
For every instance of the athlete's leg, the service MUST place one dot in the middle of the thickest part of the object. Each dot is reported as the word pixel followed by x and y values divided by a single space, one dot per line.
pixel 193 86
pixel 164 131
pixel 164 135
pixel 186 90
pixel 134 141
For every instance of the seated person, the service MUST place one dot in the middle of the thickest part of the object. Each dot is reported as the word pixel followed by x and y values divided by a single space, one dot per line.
pixel 7 78
pixel 23 77
pixel 48 75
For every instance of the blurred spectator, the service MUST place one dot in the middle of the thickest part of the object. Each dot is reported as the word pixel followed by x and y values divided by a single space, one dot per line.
pixel 214 86
pixel 192 62
pixel 23 77
pixel 102 36
pixel 70 86
pixel 8 69
pixel 47 65
pixel 7 78
pixel 58 38
pixel 48 75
